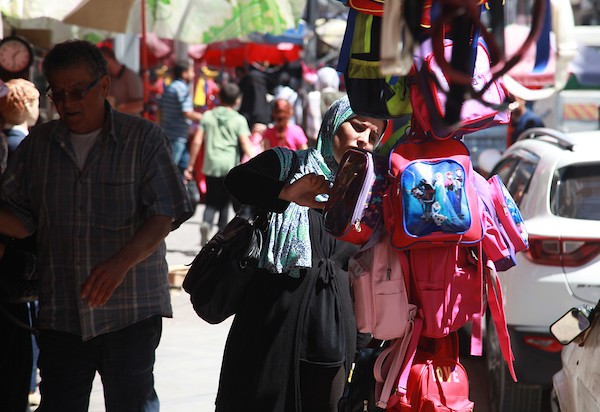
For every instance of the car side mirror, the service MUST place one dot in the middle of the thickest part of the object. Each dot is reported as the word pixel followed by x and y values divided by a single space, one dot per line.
pixel 572 324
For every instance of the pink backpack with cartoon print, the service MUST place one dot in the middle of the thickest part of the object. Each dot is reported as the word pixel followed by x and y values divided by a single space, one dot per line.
pixel 432 200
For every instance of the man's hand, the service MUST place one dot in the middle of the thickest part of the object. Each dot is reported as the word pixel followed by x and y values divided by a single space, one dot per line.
pixel 102 282
pixel 109 274
pixel 304 190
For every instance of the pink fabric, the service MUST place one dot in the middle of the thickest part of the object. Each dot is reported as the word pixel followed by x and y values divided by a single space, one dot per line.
pixel 256 140
pixel 295 138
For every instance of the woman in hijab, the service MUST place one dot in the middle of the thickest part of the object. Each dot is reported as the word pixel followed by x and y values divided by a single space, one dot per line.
pixel 293 340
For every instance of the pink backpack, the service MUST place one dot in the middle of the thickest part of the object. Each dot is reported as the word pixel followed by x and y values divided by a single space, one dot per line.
pixel 447 286
pixel 381 303
pixel 432 200
pixel 509 214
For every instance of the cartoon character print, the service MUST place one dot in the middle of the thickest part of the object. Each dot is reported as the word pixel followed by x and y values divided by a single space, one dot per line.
pixel 437 217
pixel 440 193
pixel 450 192
pixel 458 190
pixel 425 194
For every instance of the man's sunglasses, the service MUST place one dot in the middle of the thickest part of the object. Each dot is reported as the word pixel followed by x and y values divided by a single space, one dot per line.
pixel 76 94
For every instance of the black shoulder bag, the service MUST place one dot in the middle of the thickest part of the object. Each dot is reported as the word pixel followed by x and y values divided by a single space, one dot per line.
pixel 219 276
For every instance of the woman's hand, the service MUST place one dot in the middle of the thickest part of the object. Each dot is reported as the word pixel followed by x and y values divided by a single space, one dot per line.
pixel 304 190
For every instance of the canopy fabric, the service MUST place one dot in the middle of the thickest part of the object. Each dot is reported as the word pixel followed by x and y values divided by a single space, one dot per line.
pixel 236 53
pixel 191 21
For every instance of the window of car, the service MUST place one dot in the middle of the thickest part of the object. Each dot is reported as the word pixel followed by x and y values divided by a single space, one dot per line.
pixel 516 172
pixel 575 192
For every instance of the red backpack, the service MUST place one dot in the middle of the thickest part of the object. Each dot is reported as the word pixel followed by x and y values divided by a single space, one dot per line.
pixel 432 201
pixel 437 382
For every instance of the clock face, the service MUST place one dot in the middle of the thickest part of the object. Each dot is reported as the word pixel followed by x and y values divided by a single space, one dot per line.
pixel 15 55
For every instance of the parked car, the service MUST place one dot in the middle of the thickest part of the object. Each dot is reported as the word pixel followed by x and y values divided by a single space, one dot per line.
pixel 575 386
pixel 555 180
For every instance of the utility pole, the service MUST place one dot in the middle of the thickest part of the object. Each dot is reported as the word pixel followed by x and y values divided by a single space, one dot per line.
pixel 310 47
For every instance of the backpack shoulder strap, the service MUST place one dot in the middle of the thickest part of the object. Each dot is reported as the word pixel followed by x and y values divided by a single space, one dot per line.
pixel 496 305
pixel 393 364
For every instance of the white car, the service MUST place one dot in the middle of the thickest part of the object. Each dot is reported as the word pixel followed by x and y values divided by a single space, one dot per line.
pixel 575 386
pixel 555 180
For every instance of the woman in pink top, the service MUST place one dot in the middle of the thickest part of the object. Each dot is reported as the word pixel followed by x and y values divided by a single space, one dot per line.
pixel 282 132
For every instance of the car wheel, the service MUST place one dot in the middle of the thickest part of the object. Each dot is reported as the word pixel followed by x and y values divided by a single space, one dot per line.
pixel 505 394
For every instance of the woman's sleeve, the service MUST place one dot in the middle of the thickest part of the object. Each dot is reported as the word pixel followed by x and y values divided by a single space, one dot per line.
pixel 257 183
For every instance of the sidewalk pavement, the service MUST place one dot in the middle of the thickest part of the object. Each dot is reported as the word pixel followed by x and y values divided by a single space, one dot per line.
pixel 188 359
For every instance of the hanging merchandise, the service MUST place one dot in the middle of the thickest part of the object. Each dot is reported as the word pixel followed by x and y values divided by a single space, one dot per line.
pixel 431 93
pixel 370 93
pixel 432 200
pixel 353 212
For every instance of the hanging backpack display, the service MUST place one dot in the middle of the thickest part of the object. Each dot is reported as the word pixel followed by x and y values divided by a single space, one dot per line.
pixel 432 200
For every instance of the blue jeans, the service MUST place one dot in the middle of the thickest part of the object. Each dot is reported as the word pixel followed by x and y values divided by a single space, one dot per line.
pixel 124 359
pixel 181 154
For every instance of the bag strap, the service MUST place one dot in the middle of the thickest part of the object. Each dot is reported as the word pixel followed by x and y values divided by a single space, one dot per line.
pixel 397 42
pixel 344 58
pixel 19 322
pixel 396 371
pixel 563 24
pixel 496 304
pixel 477 319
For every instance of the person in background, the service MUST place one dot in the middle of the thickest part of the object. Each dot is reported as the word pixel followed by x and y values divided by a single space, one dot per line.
pixel 101 192
pixel 20 111
pixel 254 105
pixel 327 90
pixel 19 108
pixel 126 87
pixel 206 92
pixel 177 113
pixel 283 133
pixel 293 339
pixel 222 132
pixel 522 118
pixel 156 87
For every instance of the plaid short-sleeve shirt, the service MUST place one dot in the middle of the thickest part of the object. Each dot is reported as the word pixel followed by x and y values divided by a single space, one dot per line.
pixel 83 217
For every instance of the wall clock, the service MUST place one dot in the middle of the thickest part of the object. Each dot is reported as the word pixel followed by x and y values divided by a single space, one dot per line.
pixel 16 54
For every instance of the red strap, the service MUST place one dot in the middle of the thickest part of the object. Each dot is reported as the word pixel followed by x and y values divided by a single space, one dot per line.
pixel 476 325
pixel 496 304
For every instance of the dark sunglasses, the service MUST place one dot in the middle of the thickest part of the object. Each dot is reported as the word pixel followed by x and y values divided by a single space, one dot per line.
pixel 76 94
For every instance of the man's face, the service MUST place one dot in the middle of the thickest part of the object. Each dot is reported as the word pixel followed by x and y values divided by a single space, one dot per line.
pixel 188 75
pixel 79 97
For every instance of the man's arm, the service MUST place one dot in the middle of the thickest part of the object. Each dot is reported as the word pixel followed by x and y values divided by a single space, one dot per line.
pixel 193 115
pixel 11 225
pixel 194 150
pixel 109 274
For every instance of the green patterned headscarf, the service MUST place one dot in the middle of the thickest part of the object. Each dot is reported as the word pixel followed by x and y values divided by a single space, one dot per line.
pixel 339 112
pixel 289 248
